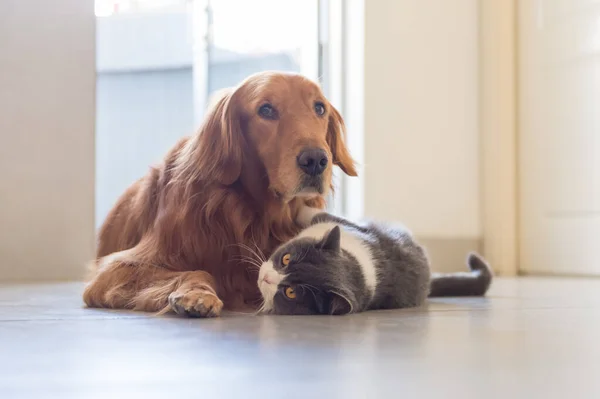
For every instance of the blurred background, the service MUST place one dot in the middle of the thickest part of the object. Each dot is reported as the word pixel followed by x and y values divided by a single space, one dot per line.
pixel 475 122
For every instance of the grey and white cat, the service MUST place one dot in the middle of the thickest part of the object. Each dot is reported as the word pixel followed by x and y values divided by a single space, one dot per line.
pixel 337 267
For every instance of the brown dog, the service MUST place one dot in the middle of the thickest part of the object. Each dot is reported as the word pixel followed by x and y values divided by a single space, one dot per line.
pixel 184 237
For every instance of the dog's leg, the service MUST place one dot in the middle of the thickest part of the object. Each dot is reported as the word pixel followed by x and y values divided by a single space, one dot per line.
pixel 124 282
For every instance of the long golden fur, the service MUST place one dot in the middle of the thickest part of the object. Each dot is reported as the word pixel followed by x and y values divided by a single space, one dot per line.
pixel 182 237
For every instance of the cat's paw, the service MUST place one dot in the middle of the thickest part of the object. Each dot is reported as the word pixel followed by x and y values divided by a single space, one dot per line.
pixel 196 302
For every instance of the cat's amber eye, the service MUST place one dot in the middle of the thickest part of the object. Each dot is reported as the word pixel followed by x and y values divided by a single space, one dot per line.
pixel 290 293
pixel 286 259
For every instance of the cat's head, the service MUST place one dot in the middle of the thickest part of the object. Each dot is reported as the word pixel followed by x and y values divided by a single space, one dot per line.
pixel 304 276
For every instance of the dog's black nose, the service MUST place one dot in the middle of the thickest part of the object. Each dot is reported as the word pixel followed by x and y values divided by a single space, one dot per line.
pixel 312 161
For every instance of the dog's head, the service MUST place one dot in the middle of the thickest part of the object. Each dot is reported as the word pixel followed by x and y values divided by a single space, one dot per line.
pixel 283 123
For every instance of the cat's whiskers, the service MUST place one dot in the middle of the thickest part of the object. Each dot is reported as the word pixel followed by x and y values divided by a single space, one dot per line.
pixel 310 286
pixel 260 309
pixel 303 255
pixel 310 289
pixel 261 254
pixel 253 262
pixel 252 252
pixel 245 248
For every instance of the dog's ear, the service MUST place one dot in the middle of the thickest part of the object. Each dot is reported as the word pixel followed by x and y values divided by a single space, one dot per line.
pixel 220 142
pixel 336 135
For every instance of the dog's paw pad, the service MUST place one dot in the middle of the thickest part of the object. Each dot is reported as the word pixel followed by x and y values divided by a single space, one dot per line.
pixel 196 303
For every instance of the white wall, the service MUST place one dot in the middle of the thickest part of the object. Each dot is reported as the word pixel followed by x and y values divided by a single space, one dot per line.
pixel 421 144
pixel 47 78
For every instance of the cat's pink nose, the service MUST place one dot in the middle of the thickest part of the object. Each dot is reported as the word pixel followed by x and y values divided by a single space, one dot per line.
pixel 267 280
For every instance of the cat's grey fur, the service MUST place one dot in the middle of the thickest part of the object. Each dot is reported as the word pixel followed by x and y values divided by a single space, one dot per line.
pixel 326 279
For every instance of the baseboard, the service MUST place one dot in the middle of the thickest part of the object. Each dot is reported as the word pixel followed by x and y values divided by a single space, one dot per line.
pixel 449 254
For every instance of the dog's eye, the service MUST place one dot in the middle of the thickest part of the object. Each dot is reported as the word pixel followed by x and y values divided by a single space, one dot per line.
pixel 320 108
pixel 267 111
pixel 286 259
pixel 290 293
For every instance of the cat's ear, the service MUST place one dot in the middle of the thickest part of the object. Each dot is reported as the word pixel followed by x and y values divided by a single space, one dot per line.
pixel 339 305
pixel 331 240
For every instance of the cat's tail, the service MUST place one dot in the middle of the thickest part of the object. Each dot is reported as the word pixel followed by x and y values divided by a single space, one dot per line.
pixel 473 283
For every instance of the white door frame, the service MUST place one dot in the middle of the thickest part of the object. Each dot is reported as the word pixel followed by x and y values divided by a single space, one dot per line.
pixel 498 127
pixel 342 57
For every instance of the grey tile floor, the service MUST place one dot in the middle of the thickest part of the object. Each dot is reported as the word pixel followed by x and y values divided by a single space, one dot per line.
pixel 531 338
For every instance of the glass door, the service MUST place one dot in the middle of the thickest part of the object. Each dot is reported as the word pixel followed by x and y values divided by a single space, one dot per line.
pixel 246 37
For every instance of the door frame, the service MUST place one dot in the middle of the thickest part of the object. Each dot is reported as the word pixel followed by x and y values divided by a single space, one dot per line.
pixel 498 134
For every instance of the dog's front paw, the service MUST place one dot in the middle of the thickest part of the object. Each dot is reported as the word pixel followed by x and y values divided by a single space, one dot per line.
pixel 196 302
